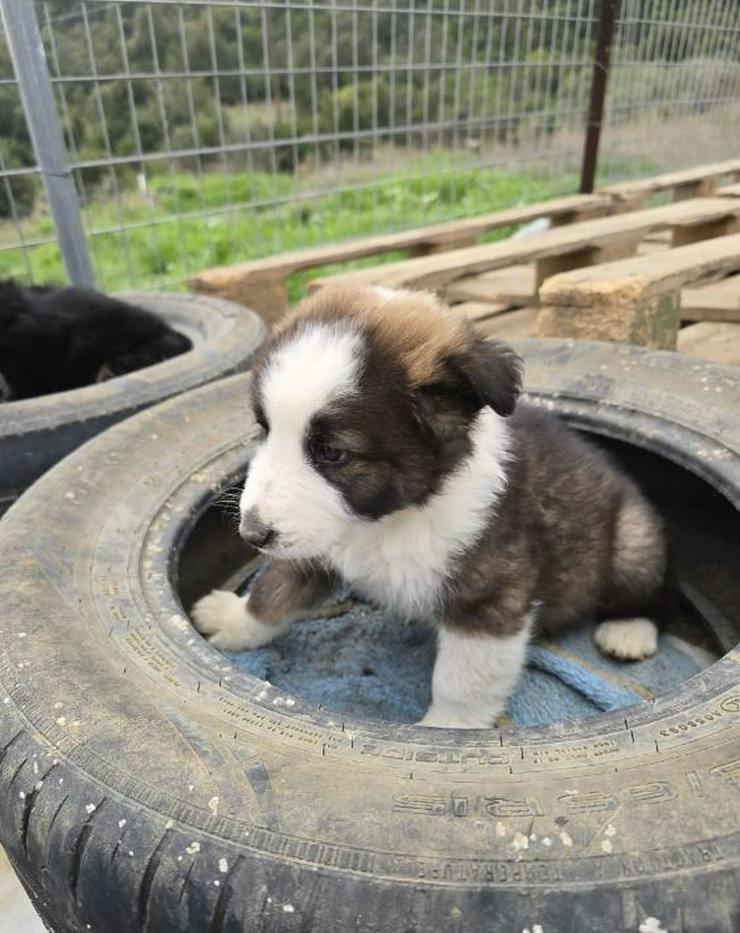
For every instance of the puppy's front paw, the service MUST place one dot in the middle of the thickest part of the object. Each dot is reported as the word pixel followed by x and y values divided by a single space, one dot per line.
pixel 228 623
pixel 628 639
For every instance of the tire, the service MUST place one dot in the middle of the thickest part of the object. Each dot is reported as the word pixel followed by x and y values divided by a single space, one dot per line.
pixel 36 433
pixel 147 785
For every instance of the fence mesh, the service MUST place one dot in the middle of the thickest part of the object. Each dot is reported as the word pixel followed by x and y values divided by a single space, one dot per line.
pixel 203 133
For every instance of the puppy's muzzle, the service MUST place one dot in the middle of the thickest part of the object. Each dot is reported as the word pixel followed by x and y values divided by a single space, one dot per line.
pixel 255 532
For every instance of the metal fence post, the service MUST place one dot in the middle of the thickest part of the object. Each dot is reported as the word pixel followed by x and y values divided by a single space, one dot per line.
pixel 32 72
pixel 604 36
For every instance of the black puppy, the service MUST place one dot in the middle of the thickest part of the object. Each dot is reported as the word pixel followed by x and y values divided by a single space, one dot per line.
pixel 53 339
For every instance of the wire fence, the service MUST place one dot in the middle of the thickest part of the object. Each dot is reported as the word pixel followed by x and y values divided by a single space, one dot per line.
pixel 200 133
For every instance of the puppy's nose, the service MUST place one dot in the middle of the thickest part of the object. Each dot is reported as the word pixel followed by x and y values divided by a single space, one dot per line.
pixel 254 531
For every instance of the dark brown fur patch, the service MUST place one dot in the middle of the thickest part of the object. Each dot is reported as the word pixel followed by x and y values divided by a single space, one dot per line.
pixel 288 588
pixel 559 535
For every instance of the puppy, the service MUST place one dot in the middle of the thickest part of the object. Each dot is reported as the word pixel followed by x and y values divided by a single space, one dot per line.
pixel 392 457
pixel 53 339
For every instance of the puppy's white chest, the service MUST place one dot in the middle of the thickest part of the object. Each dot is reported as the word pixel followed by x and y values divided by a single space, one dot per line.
pixel 403 560
pixel 394 574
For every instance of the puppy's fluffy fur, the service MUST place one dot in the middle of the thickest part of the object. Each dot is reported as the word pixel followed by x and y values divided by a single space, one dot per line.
pixel 53 339
pixel 393 457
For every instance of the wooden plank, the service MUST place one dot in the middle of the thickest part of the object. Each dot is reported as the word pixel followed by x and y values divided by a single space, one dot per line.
pixel 650 247
pixel 717 302
pixel 514 285
pixel 513 325
pixel 729 191
pixel 683 234
pixel 635 300
pixel 645 276
pixel 476 310
pixel 590 238
pixel 643 187
pixel 719 343
pixel 224 277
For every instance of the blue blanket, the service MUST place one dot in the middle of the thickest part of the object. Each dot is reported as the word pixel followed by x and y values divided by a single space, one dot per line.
pixel 366 664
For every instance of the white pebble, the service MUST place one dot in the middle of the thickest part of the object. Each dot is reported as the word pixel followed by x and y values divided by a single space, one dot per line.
pixel 90 807
pixel 288 908
pixel 651 925
pixel 121 824
pixel 566 839
pixel 193 848
pixel 213 805
pixel 223 866
pixel 606 846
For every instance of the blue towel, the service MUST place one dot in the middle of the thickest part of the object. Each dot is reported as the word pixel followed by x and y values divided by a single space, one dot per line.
pixel 367 664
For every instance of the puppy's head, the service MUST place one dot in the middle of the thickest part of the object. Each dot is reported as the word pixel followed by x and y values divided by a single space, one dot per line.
pixel 366 400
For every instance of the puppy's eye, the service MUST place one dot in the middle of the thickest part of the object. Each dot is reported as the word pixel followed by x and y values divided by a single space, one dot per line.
pixel 324 453
pixel 262 425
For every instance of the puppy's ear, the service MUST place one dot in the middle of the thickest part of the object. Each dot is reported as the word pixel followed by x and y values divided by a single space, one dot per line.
pixel 485 373
pixel 488 373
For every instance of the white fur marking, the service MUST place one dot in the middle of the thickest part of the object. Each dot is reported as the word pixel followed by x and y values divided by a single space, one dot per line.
pixel 473 677
pixel 628 639
pixel 313 368
pixel 225 618
pixel 305 375
pixel 402 559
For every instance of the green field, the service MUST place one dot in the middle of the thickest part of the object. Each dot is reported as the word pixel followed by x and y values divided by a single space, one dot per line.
pixel 185 224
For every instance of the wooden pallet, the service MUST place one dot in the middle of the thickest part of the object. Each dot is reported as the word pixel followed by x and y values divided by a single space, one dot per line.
pixel 260 284
pixel 635 300
pixel 719 343
pixel 699 181
pixel 512 325
pixel 558 250
pixel 515 287
pixel 718 302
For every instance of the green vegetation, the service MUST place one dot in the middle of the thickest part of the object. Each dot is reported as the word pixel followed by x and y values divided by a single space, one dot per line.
pixel 298 87
pixel 282 120
pixel 173 247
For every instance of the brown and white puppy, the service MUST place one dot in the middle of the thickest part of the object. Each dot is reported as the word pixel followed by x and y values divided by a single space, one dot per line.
pixel 392 458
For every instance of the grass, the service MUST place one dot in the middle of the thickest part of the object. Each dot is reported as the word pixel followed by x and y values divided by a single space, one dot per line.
pixel 236 218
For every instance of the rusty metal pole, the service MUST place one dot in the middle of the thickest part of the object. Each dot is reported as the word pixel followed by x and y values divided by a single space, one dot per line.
pixel 604 37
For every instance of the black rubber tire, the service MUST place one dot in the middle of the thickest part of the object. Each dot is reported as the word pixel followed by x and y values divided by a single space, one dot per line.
pixel 36 433
pixel 146 785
